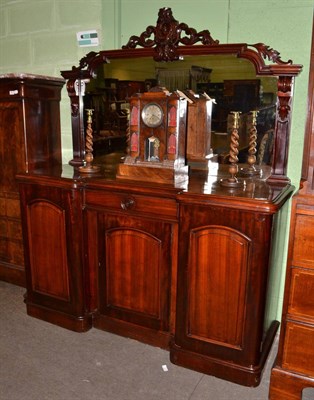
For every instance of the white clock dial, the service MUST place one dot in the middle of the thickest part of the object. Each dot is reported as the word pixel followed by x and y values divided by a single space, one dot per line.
pixel 152 115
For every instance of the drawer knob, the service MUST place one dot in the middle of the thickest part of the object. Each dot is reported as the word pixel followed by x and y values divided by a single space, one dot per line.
pixel 127 203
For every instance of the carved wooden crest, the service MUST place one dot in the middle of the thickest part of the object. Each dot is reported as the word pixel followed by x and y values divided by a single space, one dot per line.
pixel 168 36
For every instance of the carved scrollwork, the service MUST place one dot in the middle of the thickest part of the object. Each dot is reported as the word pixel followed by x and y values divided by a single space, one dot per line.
pixel 142 40
pixel 72 92
pixel 91 61
pixel 284 96
pixel 74 108
pixel 270 53
pixel 284 107
pixel 285 84
pixel 85 61
pixel 167 37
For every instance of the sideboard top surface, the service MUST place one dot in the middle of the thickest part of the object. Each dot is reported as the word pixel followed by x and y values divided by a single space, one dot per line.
pixel 198 187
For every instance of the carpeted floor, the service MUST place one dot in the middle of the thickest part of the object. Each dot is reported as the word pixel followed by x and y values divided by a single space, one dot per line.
pixel 40 361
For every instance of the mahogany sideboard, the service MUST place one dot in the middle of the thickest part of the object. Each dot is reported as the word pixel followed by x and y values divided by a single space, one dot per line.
pixel 29 138
pixel 184 267
pixel 181 265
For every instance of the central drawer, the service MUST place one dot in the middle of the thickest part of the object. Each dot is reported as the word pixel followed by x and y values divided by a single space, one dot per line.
pixel 135 203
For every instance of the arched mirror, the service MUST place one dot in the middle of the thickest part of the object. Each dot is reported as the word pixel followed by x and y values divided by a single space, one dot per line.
pixel 235 77
pixel 229 81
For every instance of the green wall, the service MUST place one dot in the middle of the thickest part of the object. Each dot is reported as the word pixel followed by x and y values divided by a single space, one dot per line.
pixel 39 36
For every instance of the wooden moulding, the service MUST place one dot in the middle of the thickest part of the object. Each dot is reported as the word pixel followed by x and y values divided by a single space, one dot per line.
pixel 76 324
pixel 144 334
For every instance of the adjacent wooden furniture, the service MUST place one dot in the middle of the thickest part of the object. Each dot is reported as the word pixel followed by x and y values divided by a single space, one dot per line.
pixel 29 139
pixel 181 264
pixel 294 367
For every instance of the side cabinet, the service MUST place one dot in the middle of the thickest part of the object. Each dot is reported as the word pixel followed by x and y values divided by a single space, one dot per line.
pixel 53 238
pixel 222 282
pixel 29 138
pixel 132 258
pixel 294 367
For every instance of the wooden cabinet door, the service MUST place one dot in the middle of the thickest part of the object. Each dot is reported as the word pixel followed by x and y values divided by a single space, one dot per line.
pixel 135 275
pixel 217 272
pixel 53 251
pixel 222 277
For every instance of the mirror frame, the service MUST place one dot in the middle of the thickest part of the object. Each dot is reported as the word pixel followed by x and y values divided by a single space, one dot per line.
pixel 170 41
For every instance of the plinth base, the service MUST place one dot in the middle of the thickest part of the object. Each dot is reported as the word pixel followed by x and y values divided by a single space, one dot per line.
pixel 72 322
pixel 245 375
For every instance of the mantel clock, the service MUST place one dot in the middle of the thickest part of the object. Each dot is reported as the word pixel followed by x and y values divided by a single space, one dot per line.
pixel 157 136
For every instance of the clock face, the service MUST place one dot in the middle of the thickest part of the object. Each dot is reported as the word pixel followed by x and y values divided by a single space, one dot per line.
pixel 152 115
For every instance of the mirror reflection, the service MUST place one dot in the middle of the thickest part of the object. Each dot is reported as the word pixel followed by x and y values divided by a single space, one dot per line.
pixel 230 81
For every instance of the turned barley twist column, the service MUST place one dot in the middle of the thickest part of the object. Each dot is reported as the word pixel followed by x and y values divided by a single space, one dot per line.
pixel 233 181
pixel 251 160
pixel 88 166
